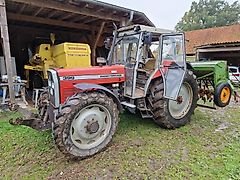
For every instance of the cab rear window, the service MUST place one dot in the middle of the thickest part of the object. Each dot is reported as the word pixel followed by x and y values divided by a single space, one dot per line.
pixel 233 70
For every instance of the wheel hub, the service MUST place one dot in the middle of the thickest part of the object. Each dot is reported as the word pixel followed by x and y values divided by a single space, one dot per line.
pixel 179 99
pixel 92 127
pixel 225 94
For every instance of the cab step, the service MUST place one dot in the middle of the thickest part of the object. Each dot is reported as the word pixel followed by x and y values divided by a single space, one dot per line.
pixel 124 103
pixel 146 113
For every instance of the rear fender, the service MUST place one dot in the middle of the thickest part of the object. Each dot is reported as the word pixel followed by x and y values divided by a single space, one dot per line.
pixel 189 66
pixel 87 87
pixel 155 75
pixel 158 74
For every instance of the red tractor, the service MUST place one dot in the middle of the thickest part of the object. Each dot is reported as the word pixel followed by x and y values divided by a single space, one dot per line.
pixel 145 72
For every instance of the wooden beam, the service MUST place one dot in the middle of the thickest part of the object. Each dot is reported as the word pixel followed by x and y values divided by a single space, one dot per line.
pixel 22 8
pixel 52 13
pixel 99 34
pixel 38 11
pixel 67 8
pixel 66 16
pixel 19 17
pixel 92 36
pixel 99 10
pixel 89 20
pixel 79 18
pixel 47 21
pixel 6 49
pixel 96 43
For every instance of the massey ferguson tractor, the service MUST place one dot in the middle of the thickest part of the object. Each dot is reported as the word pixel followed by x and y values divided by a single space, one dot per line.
pixel 145 73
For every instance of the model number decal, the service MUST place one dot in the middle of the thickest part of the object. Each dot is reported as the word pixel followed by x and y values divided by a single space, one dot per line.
pixel 67 78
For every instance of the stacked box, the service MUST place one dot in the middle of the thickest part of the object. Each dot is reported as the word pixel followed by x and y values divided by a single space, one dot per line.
pixel 72 55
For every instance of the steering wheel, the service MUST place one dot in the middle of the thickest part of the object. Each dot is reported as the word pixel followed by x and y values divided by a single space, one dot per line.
pixel 130 57
pixel 141 64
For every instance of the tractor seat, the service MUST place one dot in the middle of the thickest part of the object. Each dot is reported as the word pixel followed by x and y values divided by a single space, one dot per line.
pixel 150 64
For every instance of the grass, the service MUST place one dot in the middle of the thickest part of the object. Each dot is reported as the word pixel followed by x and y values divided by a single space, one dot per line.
pixel 139 150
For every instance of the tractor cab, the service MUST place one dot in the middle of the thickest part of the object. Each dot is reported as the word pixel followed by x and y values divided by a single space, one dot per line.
pixel 147 53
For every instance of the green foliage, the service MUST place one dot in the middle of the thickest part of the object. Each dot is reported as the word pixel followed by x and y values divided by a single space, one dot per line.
pixel 208 14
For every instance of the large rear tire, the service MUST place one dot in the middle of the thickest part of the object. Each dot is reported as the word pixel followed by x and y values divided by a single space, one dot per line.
pixel 174 114
pixel 85 124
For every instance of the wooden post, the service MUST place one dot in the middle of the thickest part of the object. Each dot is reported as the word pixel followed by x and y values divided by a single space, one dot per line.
pixel 96 43
pixel 6 49
pixel 123 23
pixel 92 42
pixel 197 55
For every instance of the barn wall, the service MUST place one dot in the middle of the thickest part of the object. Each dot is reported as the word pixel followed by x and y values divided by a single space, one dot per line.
pixel 232 57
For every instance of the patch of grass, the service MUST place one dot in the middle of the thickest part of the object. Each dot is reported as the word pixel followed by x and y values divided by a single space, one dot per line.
pixel 24 151
pixel 140 149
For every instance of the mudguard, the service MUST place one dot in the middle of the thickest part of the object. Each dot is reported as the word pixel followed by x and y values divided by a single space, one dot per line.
pixel 87 87
pixel 189 66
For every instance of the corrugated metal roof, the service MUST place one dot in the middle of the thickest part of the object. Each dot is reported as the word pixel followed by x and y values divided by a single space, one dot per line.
pixel 212 36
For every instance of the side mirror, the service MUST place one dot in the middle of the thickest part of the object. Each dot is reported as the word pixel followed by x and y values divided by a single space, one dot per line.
pixel 147 38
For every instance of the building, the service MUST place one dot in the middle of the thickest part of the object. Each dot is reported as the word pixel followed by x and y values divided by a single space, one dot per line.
pixel 71 20
pixel 32 21
pixel 220 43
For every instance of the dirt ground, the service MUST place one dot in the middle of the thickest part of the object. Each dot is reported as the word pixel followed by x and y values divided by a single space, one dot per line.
pixel 206 148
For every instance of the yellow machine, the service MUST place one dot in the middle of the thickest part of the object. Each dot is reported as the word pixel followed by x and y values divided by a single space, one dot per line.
pixel 65 55
pixel 72 55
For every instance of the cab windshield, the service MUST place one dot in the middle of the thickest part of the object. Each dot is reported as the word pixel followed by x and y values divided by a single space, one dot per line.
pixel 173 49
pixel 125 49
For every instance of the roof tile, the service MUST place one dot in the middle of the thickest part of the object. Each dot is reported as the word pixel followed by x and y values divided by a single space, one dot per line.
pixel 218 35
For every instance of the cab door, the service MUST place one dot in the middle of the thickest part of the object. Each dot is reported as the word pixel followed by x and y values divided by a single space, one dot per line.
pixel 130 46
pixel 172 63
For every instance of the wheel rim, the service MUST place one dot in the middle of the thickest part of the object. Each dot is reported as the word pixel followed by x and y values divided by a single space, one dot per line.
pixel 91 126
pixel 225 95
pixel 178 109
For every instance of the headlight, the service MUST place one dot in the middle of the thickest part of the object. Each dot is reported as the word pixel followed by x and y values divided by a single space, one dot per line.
pixel 53 87
pixel 50 84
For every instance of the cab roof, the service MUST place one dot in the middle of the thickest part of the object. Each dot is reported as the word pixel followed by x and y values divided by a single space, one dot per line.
pixel 143 28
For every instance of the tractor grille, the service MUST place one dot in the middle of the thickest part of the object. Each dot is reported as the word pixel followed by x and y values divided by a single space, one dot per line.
pixel 53 86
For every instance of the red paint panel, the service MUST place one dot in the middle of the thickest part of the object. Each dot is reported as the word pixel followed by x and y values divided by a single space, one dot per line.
pixel 164 69
pixel 70 77
pixel 90 71
pixel 157 74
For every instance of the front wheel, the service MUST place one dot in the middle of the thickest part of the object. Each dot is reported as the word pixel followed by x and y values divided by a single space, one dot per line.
pixel 173 114
pixel 86 124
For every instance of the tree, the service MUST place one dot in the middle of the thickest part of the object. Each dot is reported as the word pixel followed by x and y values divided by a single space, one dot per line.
pixel 208 14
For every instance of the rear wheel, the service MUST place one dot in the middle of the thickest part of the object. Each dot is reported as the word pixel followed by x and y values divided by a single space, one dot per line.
pixel 173 114
pixel 86 124
pixel 222 95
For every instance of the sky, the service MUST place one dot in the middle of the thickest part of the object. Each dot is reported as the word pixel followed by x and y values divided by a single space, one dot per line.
pixel 163 13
